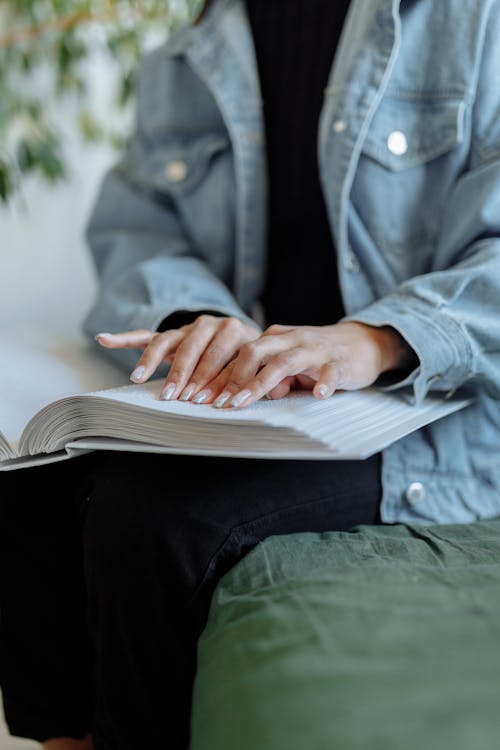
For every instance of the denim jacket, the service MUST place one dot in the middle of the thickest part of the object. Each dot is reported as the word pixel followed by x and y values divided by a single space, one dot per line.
pixel 409 160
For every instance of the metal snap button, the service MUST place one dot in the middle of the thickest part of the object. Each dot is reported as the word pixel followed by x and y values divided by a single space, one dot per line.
pixel 397 143
pixel 176 170
pixel 415 493
pixel 339 126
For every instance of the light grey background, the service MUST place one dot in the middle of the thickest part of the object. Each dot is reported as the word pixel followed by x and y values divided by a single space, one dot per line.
pixel 46 278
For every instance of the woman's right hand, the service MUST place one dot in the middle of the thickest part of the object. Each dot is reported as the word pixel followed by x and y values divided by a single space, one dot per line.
pixel 196 352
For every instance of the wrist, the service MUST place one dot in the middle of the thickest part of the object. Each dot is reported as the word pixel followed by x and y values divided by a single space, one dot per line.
pixel 396 353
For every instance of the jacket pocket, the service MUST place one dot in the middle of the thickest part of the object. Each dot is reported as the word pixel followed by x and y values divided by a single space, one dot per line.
pixel 178 167
pixel 405 133
pixel 413 153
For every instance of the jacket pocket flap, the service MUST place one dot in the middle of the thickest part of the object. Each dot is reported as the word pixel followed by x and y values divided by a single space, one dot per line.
pixel 407 132
pixel 178 166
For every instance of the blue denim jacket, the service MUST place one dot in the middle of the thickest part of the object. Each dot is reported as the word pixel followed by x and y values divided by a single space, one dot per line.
pixel 409 158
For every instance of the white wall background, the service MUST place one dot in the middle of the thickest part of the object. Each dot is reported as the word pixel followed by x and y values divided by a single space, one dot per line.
pixel 45 271
pixel 46 277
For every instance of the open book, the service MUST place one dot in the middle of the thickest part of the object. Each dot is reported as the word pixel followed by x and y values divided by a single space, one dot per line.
pixel 64 398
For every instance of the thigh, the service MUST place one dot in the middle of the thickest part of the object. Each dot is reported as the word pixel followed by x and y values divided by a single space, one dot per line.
pixel 39 513
pixel 235 491
pixel 44 645
pixel 191 517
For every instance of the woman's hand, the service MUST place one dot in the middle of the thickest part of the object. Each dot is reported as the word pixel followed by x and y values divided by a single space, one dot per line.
pixel 228 363
pixel 347 356
pixel 197 352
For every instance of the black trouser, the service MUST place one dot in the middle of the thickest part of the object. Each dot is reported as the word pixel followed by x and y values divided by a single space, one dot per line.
pixel 108 564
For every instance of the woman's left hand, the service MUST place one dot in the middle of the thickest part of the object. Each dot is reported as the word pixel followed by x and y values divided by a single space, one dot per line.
pixel 323 359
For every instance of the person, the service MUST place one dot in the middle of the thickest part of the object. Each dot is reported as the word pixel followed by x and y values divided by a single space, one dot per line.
pixel 310 199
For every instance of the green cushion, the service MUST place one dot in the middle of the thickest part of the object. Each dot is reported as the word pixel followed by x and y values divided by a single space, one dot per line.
pixel 382 638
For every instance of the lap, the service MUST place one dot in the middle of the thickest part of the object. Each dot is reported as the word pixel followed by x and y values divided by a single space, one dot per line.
pixel 237 491
pixel 199 515
pixel 193 516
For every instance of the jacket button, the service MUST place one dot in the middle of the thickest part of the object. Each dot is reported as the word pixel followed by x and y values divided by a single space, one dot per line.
pixel 415 493
pixel 339 126
pixel 176 170
pixel 397 143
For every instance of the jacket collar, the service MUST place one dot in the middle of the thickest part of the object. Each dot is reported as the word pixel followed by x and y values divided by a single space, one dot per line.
pixel 224 31
pixel 220 49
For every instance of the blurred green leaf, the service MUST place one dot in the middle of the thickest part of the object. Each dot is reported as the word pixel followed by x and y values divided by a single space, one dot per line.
pixel 5 181
pixel 45 48
pixel 90 129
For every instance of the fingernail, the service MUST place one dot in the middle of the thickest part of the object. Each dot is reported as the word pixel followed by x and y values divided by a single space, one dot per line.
pixel 169 391
pixel 138 374
pixel 98 335
pixel 240 398
pixel 202 396
pixel 323 391
pixel 187 392
pixel 221 400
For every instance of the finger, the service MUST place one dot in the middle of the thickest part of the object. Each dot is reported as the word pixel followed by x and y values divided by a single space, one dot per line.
pixel 214 389
pixel 179 381
pixel 284 364
pixel 281 390
pixel 156 352
pixel 255 354
pixel 126 339
pixel 332 376
pixel 246 364
pixel 305 382
pixel 230 336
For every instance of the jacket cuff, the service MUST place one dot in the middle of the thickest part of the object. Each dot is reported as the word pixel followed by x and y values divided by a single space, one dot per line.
pixel 440 343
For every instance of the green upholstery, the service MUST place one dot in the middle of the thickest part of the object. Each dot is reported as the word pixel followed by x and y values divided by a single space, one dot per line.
pixel 383 638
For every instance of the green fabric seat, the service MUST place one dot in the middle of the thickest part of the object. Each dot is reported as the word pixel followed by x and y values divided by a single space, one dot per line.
pixel 382 638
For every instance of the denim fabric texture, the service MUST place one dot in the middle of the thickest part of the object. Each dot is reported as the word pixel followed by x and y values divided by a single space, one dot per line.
pixel 409 159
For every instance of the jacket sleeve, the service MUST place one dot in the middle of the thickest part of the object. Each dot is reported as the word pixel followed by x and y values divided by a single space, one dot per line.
pixel 146 266
pixel 451 316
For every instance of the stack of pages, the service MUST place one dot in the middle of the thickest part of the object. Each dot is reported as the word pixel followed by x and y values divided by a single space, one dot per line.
pixel 67 418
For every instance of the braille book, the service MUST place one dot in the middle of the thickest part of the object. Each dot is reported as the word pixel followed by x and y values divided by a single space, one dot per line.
pixel 59 397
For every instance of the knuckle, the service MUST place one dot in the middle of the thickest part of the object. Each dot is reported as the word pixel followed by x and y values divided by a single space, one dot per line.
pixel 203 319
pixel 211 362
pixel 233 385
pixel 249 349
pixel 287 359
pixel 273 329
pixel 260 384
pixel 231 324
pixel 156 340
pixel 175 373
pixel 158 343
pixel 203 373
pixel 309 338
pixel 214 353
pixel 187 347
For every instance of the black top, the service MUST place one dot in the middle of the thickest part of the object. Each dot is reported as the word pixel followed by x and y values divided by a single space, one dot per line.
pixel 295 42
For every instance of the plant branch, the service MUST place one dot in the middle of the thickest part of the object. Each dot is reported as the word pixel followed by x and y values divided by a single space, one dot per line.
pixel 59 24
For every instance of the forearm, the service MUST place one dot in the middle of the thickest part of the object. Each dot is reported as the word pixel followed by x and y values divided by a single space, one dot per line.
pixel 451 321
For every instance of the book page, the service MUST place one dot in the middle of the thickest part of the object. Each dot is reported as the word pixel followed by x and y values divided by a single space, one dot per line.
pixel 350 424
pixel 40 366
